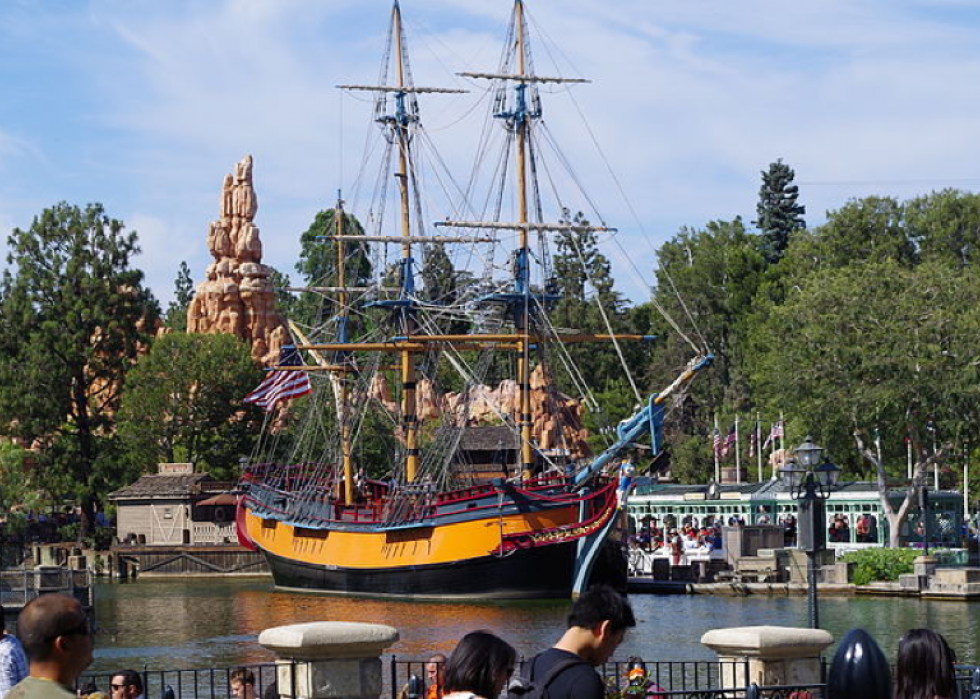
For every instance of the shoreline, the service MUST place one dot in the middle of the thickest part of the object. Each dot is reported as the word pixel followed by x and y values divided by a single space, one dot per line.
pixel 647 585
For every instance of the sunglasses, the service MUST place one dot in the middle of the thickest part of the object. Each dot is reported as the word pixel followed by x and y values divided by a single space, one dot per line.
pixel 114 687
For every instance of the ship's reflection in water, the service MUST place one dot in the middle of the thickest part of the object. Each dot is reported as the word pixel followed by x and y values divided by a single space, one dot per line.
pixel 196 623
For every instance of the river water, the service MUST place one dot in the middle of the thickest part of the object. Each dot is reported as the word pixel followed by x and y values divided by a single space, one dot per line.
pixel 214 622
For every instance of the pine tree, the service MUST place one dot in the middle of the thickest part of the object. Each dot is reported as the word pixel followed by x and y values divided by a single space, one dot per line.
pixel 176 317
pixel 779 213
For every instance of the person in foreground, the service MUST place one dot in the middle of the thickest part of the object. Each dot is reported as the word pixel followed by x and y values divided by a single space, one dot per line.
pixel 597 624
pixel 13 661
pixel 925 667
pixel 479 667
pixel 58 640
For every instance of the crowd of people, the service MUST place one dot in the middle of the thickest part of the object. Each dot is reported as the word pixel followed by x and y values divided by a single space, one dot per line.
pixel 54 644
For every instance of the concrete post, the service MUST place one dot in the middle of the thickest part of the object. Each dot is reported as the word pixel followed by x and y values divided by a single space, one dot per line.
pixel 776 655
pixel 329 659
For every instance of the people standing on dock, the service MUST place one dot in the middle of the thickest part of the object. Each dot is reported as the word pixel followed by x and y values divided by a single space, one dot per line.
pixel 58 639
pixel 13 660
pixel 597 623
pixel 479 667
pixel 126 684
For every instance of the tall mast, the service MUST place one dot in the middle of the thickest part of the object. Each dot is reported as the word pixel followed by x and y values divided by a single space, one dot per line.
pixel 403 308
pixel 522 326
pixel 342 408
pixel 409 413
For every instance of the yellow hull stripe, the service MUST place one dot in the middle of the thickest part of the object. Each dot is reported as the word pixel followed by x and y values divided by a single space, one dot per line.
pixel 445 543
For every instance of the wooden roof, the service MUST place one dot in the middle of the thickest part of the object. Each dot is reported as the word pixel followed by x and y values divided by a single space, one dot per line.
pixel 489 438
pixel 164 486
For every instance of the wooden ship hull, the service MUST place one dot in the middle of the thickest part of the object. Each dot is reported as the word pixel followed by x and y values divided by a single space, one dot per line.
pixel 487 542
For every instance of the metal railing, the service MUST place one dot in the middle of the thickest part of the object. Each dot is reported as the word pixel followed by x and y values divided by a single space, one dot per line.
pixel 20 586
pixel 213 683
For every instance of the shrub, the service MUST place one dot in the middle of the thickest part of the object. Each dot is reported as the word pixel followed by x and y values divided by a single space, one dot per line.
pixel 880 564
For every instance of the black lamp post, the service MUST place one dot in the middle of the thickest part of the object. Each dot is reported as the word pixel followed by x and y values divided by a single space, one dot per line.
pixel 809 484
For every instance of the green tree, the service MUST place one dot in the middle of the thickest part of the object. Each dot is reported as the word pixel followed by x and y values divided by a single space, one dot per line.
pixel 73 317
pixel 318 266
pixel 778 210
pixel 875 346
pixel 945 226
pixel 183 402
pixel 176 317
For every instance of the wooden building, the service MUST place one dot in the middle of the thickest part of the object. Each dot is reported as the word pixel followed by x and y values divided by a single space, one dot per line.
pixel 175 507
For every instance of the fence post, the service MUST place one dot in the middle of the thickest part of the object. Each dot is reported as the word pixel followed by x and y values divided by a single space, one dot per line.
pixel 329 659
pixel 776 655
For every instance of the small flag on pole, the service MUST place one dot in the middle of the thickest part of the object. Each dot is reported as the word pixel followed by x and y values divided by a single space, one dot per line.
pixel 281 384
pixel 778 431
pixel 754 440
pixel 717 444
pixel 729 441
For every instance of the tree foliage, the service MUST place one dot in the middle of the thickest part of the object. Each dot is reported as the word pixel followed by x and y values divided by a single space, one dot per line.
pixel 318 265
pixel 176 317
pixel 779 212
pixel 73 318
pixel 183 402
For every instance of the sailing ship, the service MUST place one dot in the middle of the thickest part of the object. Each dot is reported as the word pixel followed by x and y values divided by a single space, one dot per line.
pixel 543 526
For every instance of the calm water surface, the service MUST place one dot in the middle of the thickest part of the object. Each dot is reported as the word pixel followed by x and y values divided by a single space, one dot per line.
pixel 196 623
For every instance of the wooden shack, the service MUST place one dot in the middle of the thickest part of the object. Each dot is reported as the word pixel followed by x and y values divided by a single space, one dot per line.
pixel 175 507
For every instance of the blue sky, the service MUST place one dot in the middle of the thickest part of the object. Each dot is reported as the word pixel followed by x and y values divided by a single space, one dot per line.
pixel 144 106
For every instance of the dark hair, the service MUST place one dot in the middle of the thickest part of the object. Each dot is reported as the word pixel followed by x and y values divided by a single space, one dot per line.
pixel 477 662
pixel 243 675
pixel 130 677
pixel 598 604
pixel 47 617
pixel 924 668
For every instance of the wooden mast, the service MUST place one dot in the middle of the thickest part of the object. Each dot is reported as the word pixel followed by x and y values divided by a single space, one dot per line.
pixel 408 378
pixel 523 327
pixel 342 416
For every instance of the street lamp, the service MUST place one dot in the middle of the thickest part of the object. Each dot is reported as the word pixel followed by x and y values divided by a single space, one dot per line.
pixel 809 484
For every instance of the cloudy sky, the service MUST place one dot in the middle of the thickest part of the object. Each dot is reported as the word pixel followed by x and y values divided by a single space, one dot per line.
pixel 145 105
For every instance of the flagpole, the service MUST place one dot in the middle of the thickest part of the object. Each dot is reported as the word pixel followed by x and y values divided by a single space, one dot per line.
pixel 966 484
pixel 908 457
pixel 717 464
pixel 738 458
pixel 782 431
pixel 758 442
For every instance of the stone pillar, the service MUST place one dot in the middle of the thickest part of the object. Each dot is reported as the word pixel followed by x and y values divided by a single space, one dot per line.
pixel 776 655
pixel 329 659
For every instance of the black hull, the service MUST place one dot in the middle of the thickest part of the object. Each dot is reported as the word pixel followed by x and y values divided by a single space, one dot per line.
pixel 539 573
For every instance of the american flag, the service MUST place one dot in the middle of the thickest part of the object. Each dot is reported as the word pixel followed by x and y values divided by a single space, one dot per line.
pixel 717 444
pixel 775 433
pixel 730 441
pixel 754 439
pixel 283 384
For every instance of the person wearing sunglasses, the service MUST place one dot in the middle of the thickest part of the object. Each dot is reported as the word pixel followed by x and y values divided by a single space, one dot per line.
pixel 56 634
pixel 126 684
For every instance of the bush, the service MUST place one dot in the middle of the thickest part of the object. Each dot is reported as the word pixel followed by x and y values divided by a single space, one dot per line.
pixel 880 564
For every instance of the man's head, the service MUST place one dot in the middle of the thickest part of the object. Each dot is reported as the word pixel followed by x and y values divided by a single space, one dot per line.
pixel 603 616
pixel 242 683
pixel 126 684
pixel 56 635
pixel 435 669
